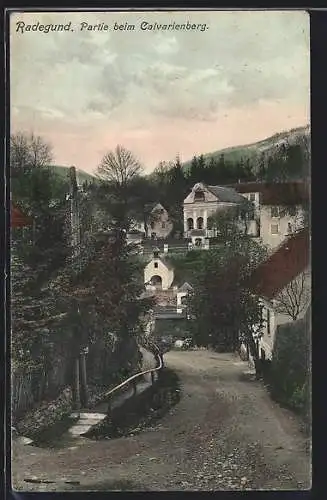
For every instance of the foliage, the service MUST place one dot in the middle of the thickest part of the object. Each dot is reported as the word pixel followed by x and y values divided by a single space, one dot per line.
pixel 185 265
pixel 109 286
pixel 289 375
pixel 224 311
pixel 95 301
pixel 37 252
pixel 290 153
pixel 222 308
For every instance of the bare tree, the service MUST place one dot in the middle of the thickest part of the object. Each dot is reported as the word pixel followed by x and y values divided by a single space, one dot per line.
pixel 295 297
pixel 119 166
pixel 29 151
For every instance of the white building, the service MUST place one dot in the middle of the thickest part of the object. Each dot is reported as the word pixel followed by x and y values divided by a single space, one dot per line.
pixel 279 208
pixel 158 273
pixel 182 294
pixel 203 202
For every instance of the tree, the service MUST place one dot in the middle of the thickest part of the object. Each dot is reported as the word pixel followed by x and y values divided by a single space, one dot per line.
pixel 294 299
pixel 28 151
pixel 41 194
pixel 261 168
pixel 225 312
pixel 143 194
pixel 119 167
pixel 232 223
pixel 223 309
pixel 37 252
pixel 117 172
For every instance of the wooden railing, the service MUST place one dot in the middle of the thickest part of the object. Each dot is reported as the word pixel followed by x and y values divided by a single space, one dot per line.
pixel 134 378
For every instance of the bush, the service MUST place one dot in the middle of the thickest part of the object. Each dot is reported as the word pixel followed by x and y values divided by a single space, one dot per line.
pixel 288 376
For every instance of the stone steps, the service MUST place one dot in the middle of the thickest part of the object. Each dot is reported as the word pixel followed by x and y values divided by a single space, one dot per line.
pixel 89 418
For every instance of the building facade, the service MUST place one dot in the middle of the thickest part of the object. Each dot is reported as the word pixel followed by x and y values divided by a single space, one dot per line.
pixel 277 222
pixel 279 209
pixel 202 203
pixel 283 284
pixel 158 273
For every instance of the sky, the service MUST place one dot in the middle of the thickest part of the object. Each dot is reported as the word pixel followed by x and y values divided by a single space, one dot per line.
pixel 158 93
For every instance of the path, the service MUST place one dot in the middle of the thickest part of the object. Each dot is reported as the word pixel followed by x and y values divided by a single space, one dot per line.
pixel 225 433
pixel 89 418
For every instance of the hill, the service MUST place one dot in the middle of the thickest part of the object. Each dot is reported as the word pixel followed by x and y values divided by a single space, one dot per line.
pixel 269 146
pixel 80 174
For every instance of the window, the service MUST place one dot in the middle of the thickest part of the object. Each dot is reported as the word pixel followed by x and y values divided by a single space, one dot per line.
pixel 268 322
pixel 199 196
pixel 292 211
pixel 163 225
pixel 198 242
pixel 274 211
pixel 156 265
pixel 252 197
pixel 152 225
pixel 190 224
pixel 274 229
pixel 200 223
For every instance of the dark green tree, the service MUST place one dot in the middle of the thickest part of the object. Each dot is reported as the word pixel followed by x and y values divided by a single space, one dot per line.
pixel 224 311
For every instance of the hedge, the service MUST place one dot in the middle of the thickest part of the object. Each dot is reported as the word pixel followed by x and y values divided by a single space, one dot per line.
pixel 289 373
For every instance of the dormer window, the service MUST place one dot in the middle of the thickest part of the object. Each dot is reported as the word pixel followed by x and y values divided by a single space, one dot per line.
pixel 199 196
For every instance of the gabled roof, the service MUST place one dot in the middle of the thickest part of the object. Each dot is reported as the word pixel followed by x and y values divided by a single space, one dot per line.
pixel 289 260
pixel 186 287
pixel 157 207
pixel 167 264
pixel 226 194
pixel 18 219
pixel 277 193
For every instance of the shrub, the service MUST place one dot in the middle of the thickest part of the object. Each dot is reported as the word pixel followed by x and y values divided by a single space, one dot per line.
pixel 289 372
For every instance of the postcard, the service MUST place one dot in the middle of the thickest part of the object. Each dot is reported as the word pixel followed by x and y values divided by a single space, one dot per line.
pixel 160 250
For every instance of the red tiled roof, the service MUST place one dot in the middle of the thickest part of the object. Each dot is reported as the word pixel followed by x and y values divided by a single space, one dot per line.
pixel 18 219
pixel 277 193
pixel 283 266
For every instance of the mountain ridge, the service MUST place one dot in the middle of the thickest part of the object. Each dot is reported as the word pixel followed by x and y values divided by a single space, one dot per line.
pixel 252 150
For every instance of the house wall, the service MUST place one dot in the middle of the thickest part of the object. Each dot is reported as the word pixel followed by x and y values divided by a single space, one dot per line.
pixel 202 209
pixel 282 221
pixel 161 226
pixel 278 318
pixel 180 305
pixel 254 198
pixel 166 274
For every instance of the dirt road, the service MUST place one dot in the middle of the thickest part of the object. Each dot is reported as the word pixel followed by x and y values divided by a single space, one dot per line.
pixel 224 434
